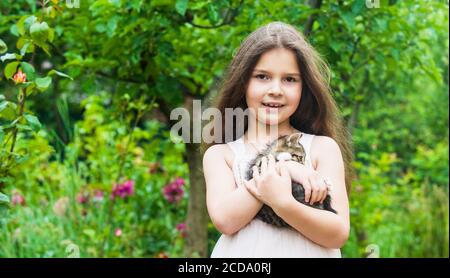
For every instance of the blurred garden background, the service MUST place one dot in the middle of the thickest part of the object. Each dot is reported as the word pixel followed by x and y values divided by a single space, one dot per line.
pixel 87 166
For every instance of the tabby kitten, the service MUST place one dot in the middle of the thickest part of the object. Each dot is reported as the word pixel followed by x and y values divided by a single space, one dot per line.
pixel 286 147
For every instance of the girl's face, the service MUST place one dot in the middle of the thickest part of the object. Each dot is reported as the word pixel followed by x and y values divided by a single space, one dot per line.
pixel 274 89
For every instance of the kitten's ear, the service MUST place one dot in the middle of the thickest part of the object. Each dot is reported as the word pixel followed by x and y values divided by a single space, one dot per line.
pixel 294 139
pixel 281 142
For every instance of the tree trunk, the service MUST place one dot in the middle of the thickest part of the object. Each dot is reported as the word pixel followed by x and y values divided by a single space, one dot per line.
pixel 353 121
pixel 197 216
pixel 354 117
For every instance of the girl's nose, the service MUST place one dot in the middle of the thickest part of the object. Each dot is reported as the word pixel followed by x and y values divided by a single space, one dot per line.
pixel 276 89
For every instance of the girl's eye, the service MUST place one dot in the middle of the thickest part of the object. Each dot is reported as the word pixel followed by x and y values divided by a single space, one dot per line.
pixel 266 77
pixel 291 79
pixel 261 76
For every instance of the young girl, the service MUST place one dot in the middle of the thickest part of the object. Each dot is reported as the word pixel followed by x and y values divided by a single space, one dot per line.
pixel 279 75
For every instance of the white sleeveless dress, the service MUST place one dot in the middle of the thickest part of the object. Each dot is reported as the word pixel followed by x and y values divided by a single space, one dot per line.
pixel 261 240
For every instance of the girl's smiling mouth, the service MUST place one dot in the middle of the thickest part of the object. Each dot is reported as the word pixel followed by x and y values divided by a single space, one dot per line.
pixel 272 107
pixel 272 104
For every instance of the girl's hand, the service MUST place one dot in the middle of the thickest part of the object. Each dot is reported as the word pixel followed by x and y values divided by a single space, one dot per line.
pixel 273 185
pixel 315 188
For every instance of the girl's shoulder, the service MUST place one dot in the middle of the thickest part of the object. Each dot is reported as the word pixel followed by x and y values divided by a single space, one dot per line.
pixel 320 145
pixel 219 151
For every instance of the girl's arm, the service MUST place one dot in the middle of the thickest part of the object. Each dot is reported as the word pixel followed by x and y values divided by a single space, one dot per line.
pixel 230 207
pixel 323 227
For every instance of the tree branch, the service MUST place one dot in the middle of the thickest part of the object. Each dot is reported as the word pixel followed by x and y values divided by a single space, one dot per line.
pixel 315 4
pixel 126 79
pixel 228 18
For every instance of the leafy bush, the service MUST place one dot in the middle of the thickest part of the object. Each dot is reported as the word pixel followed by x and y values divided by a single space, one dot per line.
pixel 77 206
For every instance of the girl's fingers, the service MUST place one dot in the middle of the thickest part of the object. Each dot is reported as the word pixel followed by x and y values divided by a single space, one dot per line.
pixel 307 187
pixel 278 168
pixel 255 172
pixel 263 165
pixel 322 190
pixel 271 163
pixel 283 169
pixel 324 193
pixel 251 187
pixel 315 192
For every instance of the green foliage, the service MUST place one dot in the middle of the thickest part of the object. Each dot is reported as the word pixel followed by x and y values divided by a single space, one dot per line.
pixel 405 216
pixel 146 220
pixel 31 33
pixel 126 63
pixel 3 47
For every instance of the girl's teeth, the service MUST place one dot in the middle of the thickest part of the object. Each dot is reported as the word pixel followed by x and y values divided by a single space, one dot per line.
pixel 273 105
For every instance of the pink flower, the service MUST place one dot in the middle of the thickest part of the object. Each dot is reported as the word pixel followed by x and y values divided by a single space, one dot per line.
pixel 82 197
pixel 20 77
pixel 118 232
pixel 123 190
pixel 179 181
pixel 17 199
pixel 173 192
pixel 181 227
pixel 98 196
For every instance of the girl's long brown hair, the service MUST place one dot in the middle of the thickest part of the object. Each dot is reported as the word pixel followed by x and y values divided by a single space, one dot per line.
pixel 317 112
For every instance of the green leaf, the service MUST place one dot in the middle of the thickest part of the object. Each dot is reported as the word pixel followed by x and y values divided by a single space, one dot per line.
pixel 3 105
pixel 43 83
pixel 52 72
pixel 51 35
pixel 89 232
pixel 382 24
pixel 213 14
pixel 198 5
pixel 349 20
pixel 9 56
pixel 13 30
pixel 8 110
pixel 181 6
pixel 11 69
pixel 2 135
pixel 3 47
pixel 30 20
pixel 21 25
pixel 4 200
pixel 358 6
pixel 25 45
pixel 24 48
pixel 336 46
pixel 28 69
pixel 24 23
pixel 29 89
pixel 39 31
pixel 33 121
pixel 112 25
pixel 22 127
pixel 43 46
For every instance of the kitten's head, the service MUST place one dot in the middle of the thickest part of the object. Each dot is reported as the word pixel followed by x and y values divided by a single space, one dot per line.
pixel 289 144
